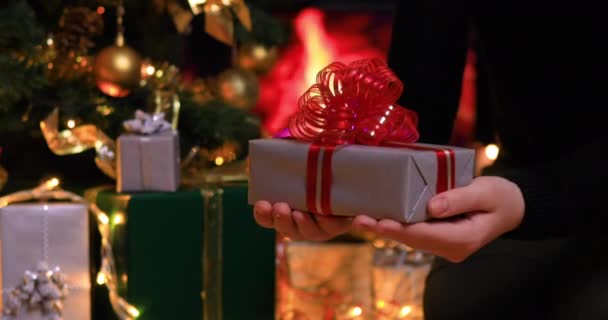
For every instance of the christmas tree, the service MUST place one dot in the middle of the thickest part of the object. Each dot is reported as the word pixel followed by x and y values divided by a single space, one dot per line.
pixel 80 68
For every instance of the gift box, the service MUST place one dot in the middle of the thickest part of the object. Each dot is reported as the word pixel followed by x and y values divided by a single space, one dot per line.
pixel 148 157
pixel 148 163
pixel 353 151
pixel 394 182
pixel 44 254
pixel 180 255
pixel 324 280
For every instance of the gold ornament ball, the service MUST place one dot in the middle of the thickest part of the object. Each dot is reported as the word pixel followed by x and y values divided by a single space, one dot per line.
pixel 257 58
pixel 117 70
pixel 239 88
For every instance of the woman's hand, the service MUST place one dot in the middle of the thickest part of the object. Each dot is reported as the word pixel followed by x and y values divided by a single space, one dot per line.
pixel 299 225
pixel 465 219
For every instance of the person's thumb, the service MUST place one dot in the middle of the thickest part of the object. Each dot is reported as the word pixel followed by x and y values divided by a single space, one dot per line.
pixel 472 198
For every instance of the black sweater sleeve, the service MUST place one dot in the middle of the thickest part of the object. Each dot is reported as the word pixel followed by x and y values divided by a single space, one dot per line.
pixel 428 53
pixel 563 195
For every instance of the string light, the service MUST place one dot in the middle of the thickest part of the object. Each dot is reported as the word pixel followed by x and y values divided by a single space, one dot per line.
pixel 107 273
pixel 405 311
pixel 491 151
pixel 219 161
pixel 71 124
pixel 133 311
pixel 103 218
pixel 49 41
pixel 101 10
pixel 159 73
pixel 118 218
pixel 355 311
pixel 101 278
pixel 150 70
pixel 52 183
pixel 380 304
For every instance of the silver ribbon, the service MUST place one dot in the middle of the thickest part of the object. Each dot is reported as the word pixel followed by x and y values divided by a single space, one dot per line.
pixel 146 124
pixel 42 289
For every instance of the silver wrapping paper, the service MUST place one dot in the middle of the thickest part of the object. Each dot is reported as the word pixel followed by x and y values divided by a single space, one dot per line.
pixel 148 163
pixel 382 182
pixel 22 231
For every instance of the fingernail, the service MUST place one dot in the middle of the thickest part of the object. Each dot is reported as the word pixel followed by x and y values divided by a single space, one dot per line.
pixel 364 226
pixel 277 216
pixel 438 206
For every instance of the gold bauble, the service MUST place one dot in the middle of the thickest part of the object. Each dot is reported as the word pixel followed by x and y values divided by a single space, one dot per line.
pixel 117 70
pixel 257 57
pixel 239 88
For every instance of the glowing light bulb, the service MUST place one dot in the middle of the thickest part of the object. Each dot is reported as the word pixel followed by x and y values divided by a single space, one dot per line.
pixel 103 218
pixel 405 311
pixel 380 304
pixel 159 73
pixel 52 183
pixel 214 8
pixel 492 151
pixel 71 124
pixel 219 161
pixel 101 10
pixel 49 41
pixel 355 311
pixel 150 70
pixel 133 311
pixel 118 218
pixel 101 278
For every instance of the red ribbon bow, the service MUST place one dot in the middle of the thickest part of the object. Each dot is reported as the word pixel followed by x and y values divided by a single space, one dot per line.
pixel 354 103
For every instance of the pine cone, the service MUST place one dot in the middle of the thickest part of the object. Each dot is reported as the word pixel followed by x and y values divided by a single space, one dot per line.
pixel 77 27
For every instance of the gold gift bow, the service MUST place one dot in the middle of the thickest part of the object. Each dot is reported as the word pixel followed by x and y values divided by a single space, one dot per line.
pixel 219 17
pixel 49 190
pixel 79 139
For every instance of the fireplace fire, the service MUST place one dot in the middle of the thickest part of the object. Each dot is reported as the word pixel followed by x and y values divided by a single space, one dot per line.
pixel 322 37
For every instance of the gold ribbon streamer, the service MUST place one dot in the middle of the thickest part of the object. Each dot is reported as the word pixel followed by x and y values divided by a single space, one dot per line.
pixel 107 271
pixel 219 17
pixel 79 139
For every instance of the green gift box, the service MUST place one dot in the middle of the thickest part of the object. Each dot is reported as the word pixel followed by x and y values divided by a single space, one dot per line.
pixel 190 254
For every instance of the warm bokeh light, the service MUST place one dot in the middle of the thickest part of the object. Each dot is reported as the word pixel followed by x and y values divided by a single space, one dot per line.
pixel 491 151
pixel 405 311
pixel 355 311
pixel 52 183
pixel 103 218
pixel 101 278
pixel 118 218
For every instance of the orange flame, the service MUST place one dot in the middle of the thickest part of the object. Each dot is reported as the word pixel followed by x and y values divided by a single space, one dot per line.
pixel 318 43
pixel 319 50
pixel 314 48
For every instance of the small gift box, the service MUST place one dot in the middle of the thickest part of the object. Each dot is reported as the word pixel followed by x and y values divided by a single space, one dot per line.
pixel 354 151
pixel 324 280
pixel 44 257
pixel 148 156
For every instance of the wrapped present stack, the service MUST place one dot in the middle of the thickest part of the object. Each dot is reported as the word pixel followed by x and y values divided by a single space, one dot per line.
pixel 352 277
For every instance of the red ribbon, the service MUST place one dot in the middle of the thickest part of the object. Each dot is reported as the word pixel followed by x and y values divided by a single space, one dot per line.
pixel 355 104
